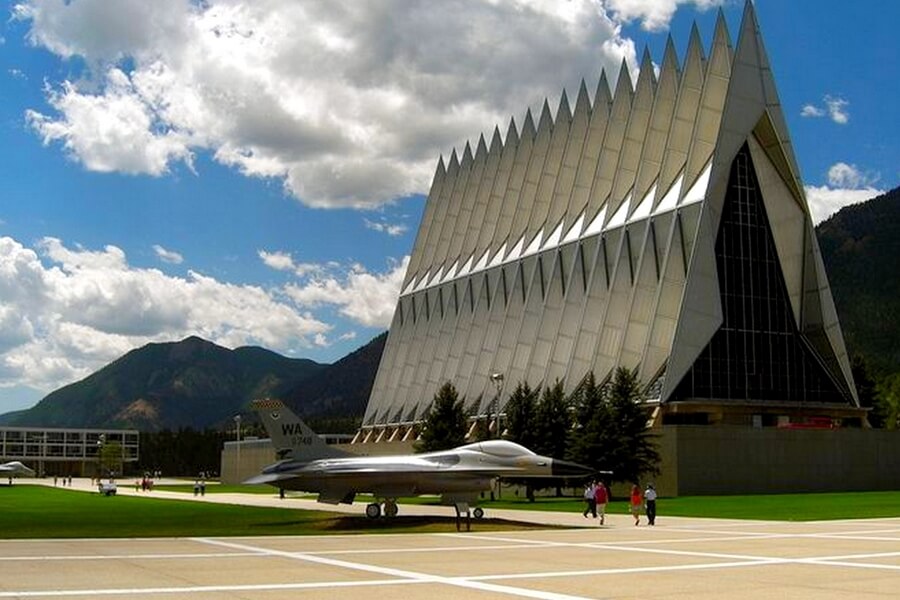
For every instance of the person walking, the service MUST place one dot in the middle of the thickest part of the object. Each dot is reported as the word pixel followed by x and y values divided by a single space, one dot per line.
pixel 589 499
pixel 637 499
pixel 650 500
pixel 601 498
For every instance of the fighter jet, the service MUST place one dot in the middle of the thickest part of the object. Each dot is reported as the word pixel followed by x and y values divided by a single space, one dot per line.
pixel 308 464
pixel 15 469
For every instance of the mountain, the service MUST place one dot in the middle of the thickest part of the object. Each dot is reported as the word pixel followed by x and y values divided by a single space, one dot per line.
pixel 341 389
pixel 191 383
pixel 861 250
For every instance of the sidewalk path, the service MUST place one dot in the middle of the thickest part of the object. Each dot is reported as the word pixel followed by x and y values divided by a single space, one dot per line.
pixel 126 487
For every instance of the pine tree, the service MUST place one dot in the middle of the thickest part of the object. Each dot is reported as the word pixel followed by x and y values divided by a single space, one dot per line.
pixel 592 439
pixel 445 424
pixel 635 450
pixel 520 416
pixel 553 422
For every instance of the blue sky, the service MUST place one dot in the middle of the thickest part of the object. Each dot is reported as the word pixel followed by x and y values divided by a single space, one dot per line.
pixel 254 172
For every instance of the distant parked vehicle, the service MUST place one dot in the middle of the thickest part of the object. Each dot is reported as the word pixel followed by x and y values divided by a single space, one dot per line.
pixel 107 488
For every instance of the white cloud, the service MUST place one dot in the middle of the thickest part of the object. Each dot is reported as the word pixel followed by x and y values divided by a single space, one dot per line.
pixel 810 110
pixel 366 298
pixel 847 185
pixel 168 256
pixel 392 229
pixel 834 107
pixel 824 201
pixel 280 261
pixel 67 311
pixel 654 14
pixel 352 111
pixel 116 131
pixel 842 175
pixel 283 261
pixel 837 109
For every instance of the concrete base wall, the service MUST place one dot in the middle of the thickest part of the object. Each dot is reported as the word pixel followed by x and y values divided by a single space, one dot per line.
pixel 707 460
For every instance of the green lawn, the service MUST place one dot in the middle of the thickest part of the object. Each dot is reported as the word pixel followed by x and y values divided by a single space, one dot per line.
pixel 775 507
pixel 28 511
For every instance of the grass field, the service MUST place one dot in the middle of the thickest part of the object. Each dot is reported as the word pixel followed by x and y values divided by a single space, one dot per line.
pixel 30 511
pixel 775 507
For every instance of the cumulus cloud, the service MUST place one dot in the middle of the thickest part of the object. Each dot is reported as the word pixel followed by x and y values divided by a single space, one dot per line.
pixel 168 256
pixel 824 201
pixel 392 229
pixel 833 106
pixel 846 176
pixel 366 298
pixel 654 15
pixel 811 110
pixel 68 310
pixel 283 261
pixel 350 112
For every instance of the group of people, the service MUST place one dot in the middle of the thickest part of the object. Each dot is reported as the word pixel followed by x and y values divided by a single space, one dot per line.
pixel 596 497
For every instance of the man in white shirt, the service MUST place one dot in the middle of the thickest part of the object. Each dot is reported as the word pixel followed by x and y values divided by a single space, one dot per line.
pixel 650 500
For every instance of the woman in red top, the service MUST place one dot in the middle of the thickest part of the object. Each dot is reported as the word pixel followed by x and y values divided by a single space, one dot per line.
pixel 637 499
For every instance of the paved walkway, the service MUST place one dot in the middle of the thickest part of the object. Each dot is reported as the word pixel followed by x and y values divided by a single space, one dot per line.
pixel 689 559
pixel 565 519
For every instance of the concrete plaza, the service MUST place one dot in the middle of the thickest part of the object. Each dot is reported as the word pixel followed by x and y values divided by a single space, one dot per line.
pixel 679 558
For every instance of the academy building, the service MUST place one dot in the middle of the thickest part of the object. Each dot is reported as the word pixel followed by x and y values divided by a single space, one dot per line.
pixel 662 228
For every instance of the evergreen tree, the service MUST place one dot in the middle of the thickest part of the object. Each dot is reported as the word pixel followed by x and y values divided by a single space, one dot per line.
pixel 592 439
pixel 887 401
pixel 634 451
pixel 865 388
pixel 553 422
pixel 445 424
pixel 521 416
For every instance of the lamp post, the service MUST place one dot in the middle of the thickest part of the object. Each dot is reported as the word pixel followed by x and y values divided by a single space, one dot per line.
pixel 237 464
pixel 497 378
pixel 101 440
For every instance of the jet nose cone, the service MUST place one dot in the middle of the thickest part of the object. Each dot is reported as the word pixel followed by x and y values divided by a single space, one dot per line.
pixel 565 468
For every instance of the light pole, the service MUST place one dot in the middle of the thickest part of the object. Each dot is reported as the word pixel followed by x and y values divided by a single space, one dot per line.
pixel 237 463
pixel 497 378
pixel 101 440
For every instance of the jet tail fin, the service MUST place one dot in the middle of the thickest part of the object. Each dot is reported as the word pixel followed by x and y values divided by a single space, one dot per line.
pixel 292 437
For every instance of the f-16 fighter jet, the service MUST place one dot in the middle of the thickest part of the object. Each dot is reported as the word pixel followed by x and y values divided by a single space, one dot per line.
pixel 308 464
pixel 15 469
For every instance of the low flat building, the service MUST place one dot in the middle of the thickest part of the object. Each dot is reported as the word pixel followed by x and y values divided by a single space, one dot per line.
pixel 64 452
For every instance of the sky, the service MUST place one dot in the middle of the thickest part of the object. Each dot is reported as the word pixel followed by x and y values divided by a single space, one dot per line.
pixel 254 172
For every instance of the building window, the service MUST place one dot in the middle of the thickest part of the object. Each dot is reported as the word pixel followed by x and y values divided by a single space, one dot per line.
pixel 758 353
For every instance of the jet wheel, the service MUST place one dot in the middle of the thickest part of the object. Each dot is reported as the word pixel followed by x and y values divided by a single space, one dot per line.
pixel 373 511
pixel 478 512
pixel 390 509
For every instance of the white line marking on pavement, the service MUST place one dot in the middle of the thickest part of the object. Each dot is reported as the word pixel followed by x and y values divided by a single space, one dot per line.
pixel 202 589
pixel 400 573
pixel 129 556
pixel 624 570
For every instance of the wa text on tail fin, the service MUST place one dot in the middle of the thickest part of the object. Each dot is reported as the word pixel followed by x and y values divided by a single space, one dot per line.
pixel 291 437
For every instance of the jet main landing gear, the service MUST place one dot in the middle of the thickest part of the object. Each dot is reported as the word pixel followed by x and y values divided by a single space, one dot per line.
pixel 374 510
